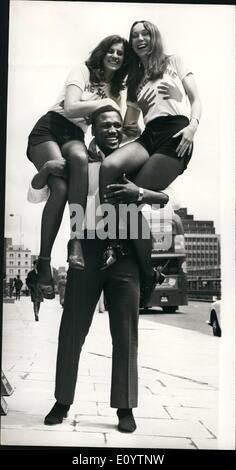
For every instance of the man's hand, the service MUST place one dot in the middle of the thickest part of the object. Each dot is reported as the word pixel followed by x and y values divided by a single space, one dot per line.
pixel 147 101
pixel 123 193
pixel 169 91
pixel 57 168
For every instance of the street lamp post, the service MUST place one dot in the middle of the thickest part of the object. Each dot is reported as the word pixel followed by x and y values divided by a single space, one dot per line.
pixel 20 226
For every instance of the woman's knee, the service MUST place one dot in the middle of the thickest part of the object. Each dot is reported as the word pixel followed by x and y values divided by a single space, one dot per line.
pixel 110 167
pixel 76 155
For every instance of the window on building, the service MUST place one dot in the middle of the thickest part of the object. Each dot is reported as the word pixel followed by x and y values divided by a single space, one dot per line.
pixel 26 255
pixel 18 263
pixel 11 271
pixel 18 255
pixel 11 255
pixel 18 271
pixel 26 271
pixel 26 262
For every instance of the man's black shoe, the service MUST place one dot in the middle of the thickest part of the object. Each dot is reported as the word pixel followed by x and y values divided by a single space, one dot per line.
pixel 126 420
pixel 57 413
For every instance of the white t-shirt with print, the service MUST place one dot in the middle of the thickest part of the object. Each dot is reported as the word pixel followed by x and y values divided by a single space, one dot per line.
pixel 79 76
pixel 177 102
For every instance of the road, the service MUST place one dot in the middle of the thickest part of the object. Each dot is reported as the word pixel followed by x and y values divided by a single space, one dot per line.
pixel 191 317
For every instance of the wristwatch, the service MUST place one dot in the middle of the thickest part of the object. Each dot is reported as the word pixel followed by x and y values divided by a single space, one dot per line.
pixel 140 194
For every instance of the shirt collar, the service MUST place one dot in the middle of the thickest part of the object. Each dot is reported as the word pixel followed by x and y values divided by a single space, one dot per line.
pixel 100 153
pixel 95 153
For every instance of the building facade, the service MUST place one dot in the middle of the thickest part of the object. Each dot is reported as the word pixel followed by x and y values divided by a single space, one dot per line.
pixel 18 261
pixel 202 246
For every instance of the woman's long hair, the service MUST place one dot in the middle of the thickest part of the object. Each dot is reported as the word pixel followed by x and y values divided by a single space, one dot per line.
pixel 157 60
pixel 96 66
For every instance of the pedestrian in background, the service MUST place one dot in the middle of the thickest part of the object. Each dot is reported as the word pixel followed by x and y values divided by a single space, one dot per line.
pixel 61 288
pixel 35 290
pixel 18 286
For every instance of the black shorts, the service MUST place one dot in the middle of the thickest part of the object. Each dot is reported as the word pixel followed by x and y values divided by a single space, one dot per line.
pixel 157 136
pixel 53 127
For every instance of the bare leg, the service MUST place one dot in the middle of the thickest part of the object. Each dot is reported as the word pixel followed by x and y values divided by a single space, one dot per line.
pixel 36 310
pixel 127 159
pixel 54 207
pixel 52 216
pixel 156 174
pixel 76 155
pixel 53 210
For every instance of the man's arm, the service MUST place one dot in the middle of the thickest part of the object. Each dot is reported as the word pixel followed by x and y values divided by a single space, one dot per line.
pixel 128 192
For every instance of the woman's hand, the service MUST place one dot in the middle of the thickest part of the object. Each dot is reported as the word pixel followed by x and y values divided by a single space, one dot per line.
pixel 57 168
pixel 107 102
pixel 100 104
pixel 125 192
pixel 132 130
pixel 186 142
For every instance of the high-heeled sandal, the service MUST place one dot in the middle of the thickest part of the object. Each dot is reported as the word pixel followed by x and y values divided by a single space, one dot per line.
pixel 147 288
pixel 109 257
pixel 47 287
pixel 75 256
pixel 112 253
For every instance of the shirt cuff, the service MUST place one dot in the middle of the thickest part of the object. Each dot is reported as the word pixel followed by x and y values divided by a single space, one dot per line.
pixel 38 195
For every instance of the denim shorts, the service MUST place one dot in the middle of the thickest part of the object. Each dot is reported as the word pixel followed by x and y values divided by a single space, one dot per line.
pixel 157 136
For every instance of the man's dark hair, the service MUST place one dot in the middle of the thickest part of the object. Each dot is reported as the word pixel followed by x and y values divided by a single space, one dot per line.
pixel 104 109
pixel 35 262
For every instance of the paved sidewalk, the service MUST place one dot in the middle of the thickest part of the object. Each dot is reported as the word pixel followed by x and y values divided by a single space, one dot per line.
pixel 178 384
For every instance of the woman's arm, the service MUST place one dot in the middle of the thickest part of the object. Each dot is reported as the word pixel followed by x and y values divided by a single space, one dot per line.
pixel 131 116
pixel 131 129
pixel 75 108
pixel 196 109
pixel 194 98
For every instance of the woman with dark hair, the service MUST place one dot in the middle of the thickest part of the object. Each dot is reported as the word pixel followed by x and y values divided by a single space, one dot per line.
pixel 56 147
pixel 161 87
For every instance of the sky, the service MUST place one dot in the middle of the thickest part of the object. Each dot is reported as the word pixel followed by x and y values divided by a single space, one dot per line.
pixel 46 39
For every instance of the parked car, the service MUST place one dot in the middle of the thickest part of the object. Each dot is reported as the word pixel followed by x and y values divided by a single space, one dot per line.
pixel 214 318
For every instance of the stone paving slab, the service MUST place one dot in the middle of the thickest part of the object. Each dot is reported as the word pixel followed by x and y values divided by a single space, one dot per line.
pixel 151 427
pixel 177 392
pixel 50 438
pixel 175 382
pixel 144 410
pixel 154 442
pixel 184 412
pixel 202 395
pixel 210 444
pixel 89 408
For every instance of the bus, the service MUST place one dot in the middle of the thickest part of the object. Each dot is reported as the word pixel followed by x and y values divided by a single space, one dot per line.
pixel 169 252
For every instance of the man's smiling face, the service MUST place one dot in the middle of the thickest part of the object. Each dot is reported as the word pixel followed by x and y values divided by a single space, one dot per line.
pixel 107 130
